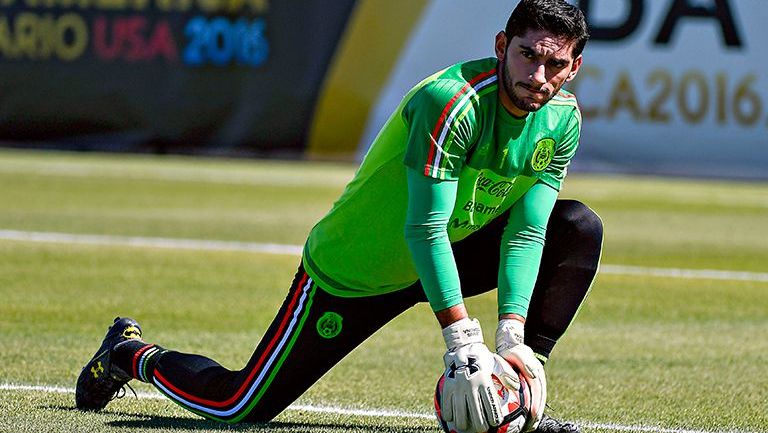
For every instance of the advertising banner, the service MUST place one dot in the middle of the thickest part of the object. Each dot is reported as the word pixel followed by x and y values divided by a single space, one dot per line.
pixel 210 76
pixel 668 86
pixel 676 87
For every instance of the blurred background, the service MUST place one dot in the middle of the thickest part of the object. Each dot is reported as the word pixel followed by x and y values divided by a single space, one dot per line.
pixel 204 138
pixel 671 87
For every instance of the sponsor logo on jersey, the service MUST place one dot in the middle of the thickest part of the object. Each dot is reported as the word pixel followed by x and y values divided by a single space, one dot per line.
pixel 481 208
pixel 464 224
pixel 543 154
pixel 492 187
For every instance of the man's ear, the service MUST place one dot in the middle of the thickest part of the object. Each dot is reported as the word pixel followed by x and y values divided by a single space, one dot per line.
pixel 501 45
pixel 575 68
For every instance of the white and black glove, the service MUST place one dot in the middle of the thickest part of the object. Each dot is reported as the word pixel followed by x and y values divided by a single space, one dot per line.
pixel 469 398
pixel 510 346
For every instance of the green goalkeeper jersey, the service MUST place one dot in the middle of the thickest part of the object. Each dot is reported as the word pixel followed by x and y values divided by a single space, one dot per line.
pixel 451 127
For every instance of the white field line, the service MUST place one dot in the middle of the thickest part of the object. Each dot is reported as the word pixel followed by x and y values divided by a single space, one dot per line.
pixel 702 274
pixel 137 241
pixel 296 250
pixel 378 413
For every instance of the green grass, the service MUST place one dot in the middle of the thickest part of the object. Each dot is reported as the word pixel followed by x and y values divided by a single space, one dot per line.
pixel 644 351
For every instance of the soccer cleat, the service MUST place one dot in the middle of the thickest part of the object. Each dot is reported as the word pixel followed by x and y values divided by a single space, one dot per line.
pixel 551 425
pixel 100 381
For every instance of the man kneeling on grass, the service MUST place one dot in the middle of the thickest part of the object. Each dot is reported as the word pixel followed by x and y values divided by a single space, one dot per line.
pixel 456 197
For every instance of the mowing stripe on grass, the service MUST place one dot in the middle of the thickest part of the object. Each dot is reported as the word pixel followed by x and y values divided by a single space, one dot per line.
pixel 296 250
pixel 374 412
pixel 275 174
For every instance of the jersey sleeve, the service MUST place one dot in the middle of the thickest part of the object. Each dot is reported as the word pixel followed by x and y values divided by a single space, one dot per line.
pixel 439 119
pixel 555 172
pixel 522 246
pixel 430 202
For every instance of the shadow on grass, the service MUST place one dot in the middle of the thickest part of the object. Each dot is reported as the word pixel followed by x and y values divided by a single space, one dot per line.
pixel 170 423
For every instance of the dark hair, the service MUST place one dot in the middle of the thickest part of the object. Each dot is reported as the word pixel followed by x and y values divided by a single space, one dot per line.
pixel 555 16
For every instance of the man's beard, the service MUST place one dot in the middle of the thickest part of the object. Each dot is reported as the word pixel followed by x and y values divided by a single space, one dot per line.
pixel 509 88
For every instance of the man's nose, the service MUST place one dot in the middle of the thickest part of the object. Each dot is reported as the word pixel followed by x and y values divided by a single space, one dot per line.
pixel 538 75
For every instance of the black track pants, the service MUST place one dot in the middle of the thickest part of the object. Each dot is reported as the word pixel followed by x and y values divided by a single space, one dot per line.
pixel 314 330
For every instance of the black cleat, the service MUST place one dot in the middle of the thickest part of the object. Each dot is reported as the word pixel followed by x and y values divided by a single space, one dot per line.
pixel 100 381
pixel 551 425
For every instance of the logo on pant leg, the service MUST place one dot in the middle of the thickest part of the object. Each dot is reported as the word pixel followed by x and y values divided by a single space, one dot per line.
pixel 329 325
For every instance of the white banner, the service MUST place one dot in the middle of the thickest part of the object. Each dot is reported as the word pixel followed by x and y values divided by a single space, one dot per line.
pixel 668 86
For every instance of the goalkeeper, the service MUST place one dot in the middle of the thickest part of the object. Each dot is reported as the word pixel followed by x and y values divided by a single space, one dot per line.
pixel 457 196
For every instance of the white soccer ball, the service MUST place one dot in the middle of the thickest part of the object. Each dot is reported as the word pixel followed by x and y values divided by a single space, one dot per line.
pixel 516 405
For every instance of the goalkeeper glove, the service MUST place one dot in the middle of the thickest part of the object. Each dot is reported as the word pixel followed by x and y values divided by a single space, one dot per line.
pixel 510 345
pixel 469 396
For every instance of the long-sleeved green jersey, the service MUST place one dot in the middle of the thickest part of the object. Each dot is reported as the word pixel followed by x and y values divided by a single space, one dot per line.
pixel 451 128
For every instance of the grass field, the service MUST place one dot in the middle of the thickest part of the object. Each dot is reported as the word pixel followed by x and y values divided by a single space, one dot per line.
pixel 648 352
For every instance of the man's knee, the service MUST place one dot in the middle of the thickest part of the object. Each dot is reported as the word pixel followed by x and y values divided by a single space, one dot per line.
pixel 577 220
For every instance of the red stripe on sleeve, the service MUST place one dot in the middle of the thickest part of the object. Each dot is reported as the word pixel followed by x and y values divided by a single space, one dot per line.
pixel 444 115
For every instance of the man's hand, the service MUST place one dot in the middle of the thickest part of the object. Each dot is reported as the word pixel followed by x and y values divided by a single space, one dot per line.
pixel 469 396
pixel 510 346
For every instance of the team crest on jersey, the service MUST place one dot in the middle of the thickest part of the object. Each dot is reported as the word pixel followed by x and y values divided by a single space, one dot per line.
pixel 543 154
pixel 329 325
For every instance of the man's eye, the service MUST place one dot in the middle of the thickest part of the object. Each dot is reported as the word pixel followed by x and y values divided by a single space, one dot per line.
pixel 527 54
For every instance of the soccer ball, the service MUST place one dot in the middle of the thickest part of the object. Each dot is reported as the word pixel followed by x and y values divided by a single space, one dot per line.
pixel 516 405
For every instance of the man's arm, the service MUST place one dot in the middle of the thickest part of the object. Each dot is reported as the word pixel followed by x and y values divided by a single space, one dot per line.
pixel 430 203
pixel 521 248
pixel 429 208
pixel 469 396
pixel 451 315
